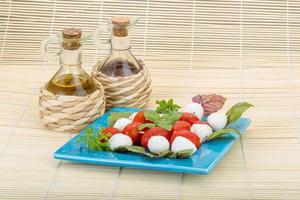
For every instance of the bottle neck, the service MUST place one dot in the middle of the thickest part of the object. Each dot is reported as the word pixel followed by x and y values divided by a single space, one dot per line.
pixel 120 43
pixel 71 58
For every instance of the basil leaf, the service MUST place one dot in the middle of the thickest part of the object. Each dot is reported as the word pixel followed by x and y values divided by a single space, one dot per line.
pixel 164 124
pixel 163 154
pixel 136 149
pixel 168 120
pixel 121 149
pixel 185 153
pixel 149 154
pixel 160 155
pixel 222 132
pixel 172 155
pixel 181 154
pixel 114 116
pixel 236 111
pixel 146 125
pixel 151 115
pixel 171 117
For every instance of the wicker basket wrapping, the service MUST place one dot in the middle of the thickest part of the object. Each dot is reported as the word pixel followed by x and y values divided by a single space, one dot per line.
pixel 70 113
pixel 129 91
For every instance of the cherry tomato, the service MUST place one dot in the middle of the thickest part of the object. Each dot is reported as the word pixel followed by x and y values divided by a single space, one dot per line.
pixel 152 132
pixel 188 135
pixel 110 130
pixel 188 117
pixel 132 131
pixel 139 117
pixel 181 125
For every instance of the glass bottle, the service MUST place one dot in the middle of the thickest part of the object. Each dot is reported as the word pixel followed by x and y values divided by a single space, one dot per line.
pixel 120 62
pixel 70 79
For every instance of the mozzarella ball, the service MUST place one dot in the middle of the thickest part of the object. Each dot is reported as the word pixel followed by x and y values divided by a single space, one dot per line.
pixel 202 130
pixel 119 140
pixel 131 117
pixel 121 123
pixel 158 144
pixel 181 143
pixel 217 120
pixel 194 108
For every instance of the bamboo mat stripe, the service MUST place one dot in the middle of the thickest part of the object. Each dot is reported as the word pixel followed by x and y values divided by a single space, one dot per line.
pixel 53 178
pixel 290 76
pixel 241 75
pixel 246 50
pixel 116 183
pixel 5 31
pixel 35 90
pixel 189 70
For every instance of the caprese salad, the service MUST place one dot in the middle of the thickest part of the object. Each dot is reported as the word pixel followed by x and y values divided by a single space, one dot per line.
pixel 168 131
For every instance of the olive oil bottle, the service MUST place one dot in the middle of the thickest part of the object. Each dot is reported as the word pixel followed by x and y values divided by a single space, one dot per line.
pixel 71 79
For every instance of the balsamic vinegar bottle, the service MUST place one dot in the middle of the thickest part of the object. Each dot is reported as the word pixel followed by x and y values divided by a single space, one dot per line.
pixel 120 62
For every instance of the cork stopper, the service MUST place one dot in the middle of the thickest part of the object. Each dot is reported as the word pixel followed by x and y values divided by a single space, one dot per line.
pixel 71 38
pixel 120 24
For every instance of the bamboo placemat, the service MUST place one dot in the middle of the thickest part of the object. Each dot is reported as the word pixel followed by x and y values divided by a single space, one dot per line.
pixel 245 50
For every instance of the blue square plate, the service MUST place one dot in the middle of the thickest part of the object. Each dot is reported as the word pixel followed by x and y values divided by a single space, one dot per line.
pixel 202 162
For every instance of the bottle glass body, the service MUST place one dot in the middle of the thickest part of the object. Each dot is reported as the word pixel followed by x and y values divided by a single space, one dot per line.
pixel 71 79
pixel 120 62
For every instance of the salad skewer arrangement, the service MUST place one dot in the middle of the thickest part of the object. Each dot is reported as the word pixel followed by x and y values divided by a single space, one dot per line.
pixel 167 131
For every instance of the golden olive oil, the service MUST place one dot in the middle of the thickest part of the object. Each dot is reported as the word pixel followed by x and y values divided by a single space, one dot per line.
pixel 71 84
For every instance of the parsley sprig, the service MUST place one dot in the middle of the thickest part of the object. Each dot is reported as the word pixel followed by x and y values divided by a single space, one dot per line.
pixel 165 107
pixel 166 114
pixel 95 141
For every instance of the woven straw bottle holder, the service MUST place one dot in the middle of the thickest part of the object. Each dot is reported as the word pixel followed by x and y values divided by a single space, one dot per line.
pixel 131 90
pixel 72 110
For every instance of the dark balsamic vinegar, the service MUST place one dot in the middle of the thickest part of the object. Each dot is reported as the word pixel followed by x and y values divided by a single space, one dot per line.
pixel 119 68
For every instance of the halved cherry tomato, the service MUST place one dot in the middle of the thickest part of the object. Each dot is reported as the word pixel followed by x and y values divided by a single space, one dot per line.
pixel 188 135
pixel 188 117
pixel 132 131
pixel 110 130
pixel 139 117
pixel 152 132
pixel 181 125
